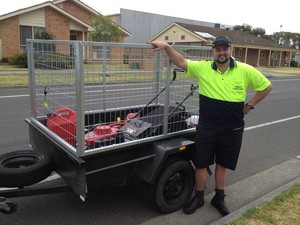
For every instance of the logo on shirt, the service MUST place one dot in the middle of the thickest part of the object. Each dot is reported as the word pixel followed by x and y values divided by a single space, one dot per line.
pixel 238 88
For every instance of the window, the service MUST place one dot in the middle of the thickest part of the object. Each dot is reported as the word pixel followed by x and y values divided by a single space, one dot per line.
pixel 262 54
pixel 99 51
pixel 166 38
pixel 28 32
pixel 275 55
pixel 182 37
pixel 239 53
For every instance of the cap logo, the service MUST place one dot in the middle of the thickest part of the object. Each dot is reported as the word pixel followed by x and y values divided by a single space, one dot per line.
pixel 221 40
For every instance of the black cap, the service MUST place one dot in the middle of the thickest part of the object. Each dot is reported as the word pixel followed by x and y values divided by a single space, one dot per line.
pixel 221 40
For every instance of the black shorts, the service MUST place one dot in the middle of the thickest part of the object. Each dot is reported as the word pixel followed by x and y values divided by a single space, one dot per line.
pixel 222 147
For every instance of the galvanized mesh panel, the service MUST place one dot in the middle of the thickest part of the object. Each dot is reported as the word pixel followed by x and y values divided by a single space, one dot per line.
pixel 54 77
pixel 97 96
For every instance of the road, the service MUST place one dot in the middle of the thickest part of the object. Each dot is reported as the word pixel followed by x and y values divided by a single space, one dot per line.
pixel 272 136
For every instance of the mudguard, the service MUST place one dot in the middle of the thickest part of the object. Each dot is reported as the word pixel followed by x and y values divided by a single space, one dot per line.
pixel 149 170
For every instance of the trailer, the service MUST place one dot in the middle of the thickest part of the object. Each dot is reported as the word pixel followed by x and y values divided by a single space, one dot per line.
pixel 103 113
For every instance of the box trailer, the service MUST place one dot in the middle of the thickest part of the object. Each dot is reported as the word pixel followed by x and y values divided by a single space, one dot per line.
pixel 103 113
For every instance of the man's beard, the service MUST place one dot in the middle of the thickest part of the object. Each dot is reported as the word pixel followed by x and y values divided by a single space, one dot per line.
pixel 222 62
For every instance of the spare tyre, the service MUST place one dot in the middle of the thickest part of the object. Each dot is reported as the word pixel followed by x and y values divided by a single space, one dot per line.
pixel 24 167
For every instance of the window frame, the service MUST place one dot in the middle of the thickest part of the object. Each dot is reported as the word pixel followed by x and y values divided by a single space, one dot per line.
pixel 27 32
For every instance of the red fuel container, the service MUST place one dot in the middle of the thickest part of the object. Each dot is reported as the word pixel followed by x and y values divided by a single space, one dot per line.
pixel 63 123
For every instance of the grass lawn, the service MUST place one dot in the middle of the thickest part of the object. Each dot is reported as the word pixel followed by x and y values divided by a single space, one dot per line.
pixel 7 80
pixel 6 67
pixel 284 209
pixel 282 70
pixel 13 76
pixel 16 76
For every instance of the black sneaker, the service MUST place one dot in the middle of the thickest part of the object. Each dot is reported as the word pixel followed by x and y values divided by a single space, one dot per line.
pixel 196 202
pixel 219 203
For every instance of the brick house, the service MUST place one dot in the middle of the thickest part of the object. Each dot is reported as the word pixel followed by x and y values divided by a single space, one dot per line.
pixel 65 19
pixel 246 47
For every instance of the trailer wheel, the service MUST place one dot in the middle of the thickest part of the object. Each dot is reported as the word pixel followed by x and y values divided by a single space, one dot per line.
pixel 8 206
pixel 174 186
pixel 24 167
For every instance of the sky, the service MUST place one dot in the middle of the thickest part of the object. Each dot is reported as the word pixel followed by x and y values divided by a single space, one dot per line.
pixel 273 16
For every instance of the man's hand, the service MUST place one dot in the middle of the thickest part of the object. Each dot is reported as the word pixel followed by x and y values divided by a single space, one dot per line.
pixel 159 45
pixel 246 110
pixel 174 55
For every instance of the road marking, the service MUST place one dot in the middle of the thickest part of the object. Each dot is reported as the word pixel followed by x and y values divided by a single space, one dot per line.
pixel 96 91
pixel 52 177
pixel 14 96
pixel 273 122
pixel 285 80
pixel 250 94
pixel 56 176
pixel 17 96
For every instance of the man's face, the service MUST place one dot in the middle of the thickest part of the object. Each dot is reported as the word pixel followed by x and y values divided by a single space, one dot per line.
pixel 221 53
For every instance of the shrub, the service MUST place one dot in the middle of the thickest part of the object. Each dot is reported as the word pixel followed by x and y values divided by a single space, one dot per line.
pixel 19 59
pixel 294 63
pixel 54 61
pixel 5 60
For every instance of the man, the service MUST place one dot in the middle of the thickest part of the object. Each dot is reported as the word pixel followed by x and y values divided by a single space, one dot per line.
pixel 223 85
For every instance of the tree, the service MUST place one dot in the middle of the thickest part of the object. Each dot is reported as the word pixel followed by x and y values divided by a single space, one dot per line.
pixel 105 30
pixel 287 38
pixel 43 34
pixel 244 28
pixel 281 38
pixel 248 29
pixel 259 31
pixel 293 39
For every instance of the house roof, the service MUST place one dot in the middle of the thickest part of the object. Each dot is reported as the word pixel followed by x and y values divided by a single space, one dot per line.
pixel 182 27
pixel 78 2
pixel 237 38
pixel 42 5
pixel 53 4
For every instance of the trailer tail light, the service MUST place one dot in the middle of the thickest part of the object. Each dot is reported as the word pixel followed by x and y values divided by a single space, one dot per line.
pixel 182 148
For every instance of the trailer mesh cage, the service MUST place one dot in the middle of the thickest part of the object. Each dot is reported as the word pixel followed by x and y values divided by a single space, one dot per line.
pixel 93 96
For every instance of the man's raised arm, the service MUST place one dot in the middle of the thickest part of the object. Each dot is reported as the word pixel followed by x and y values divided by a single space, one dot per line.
pixel 176 58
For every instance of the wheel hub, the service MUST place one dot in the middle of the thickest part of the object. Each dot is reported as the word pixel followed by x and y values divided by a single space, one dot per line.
pixel 174 186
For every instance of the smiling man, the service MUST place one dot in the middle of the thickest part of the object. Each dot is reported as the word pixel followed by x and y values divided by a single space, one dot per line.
pixel 223 85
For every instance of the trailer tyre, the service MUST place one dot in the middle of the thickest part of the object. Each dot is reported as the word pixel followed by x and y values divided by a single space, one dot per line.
pixel 174 186
pixel 24 167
